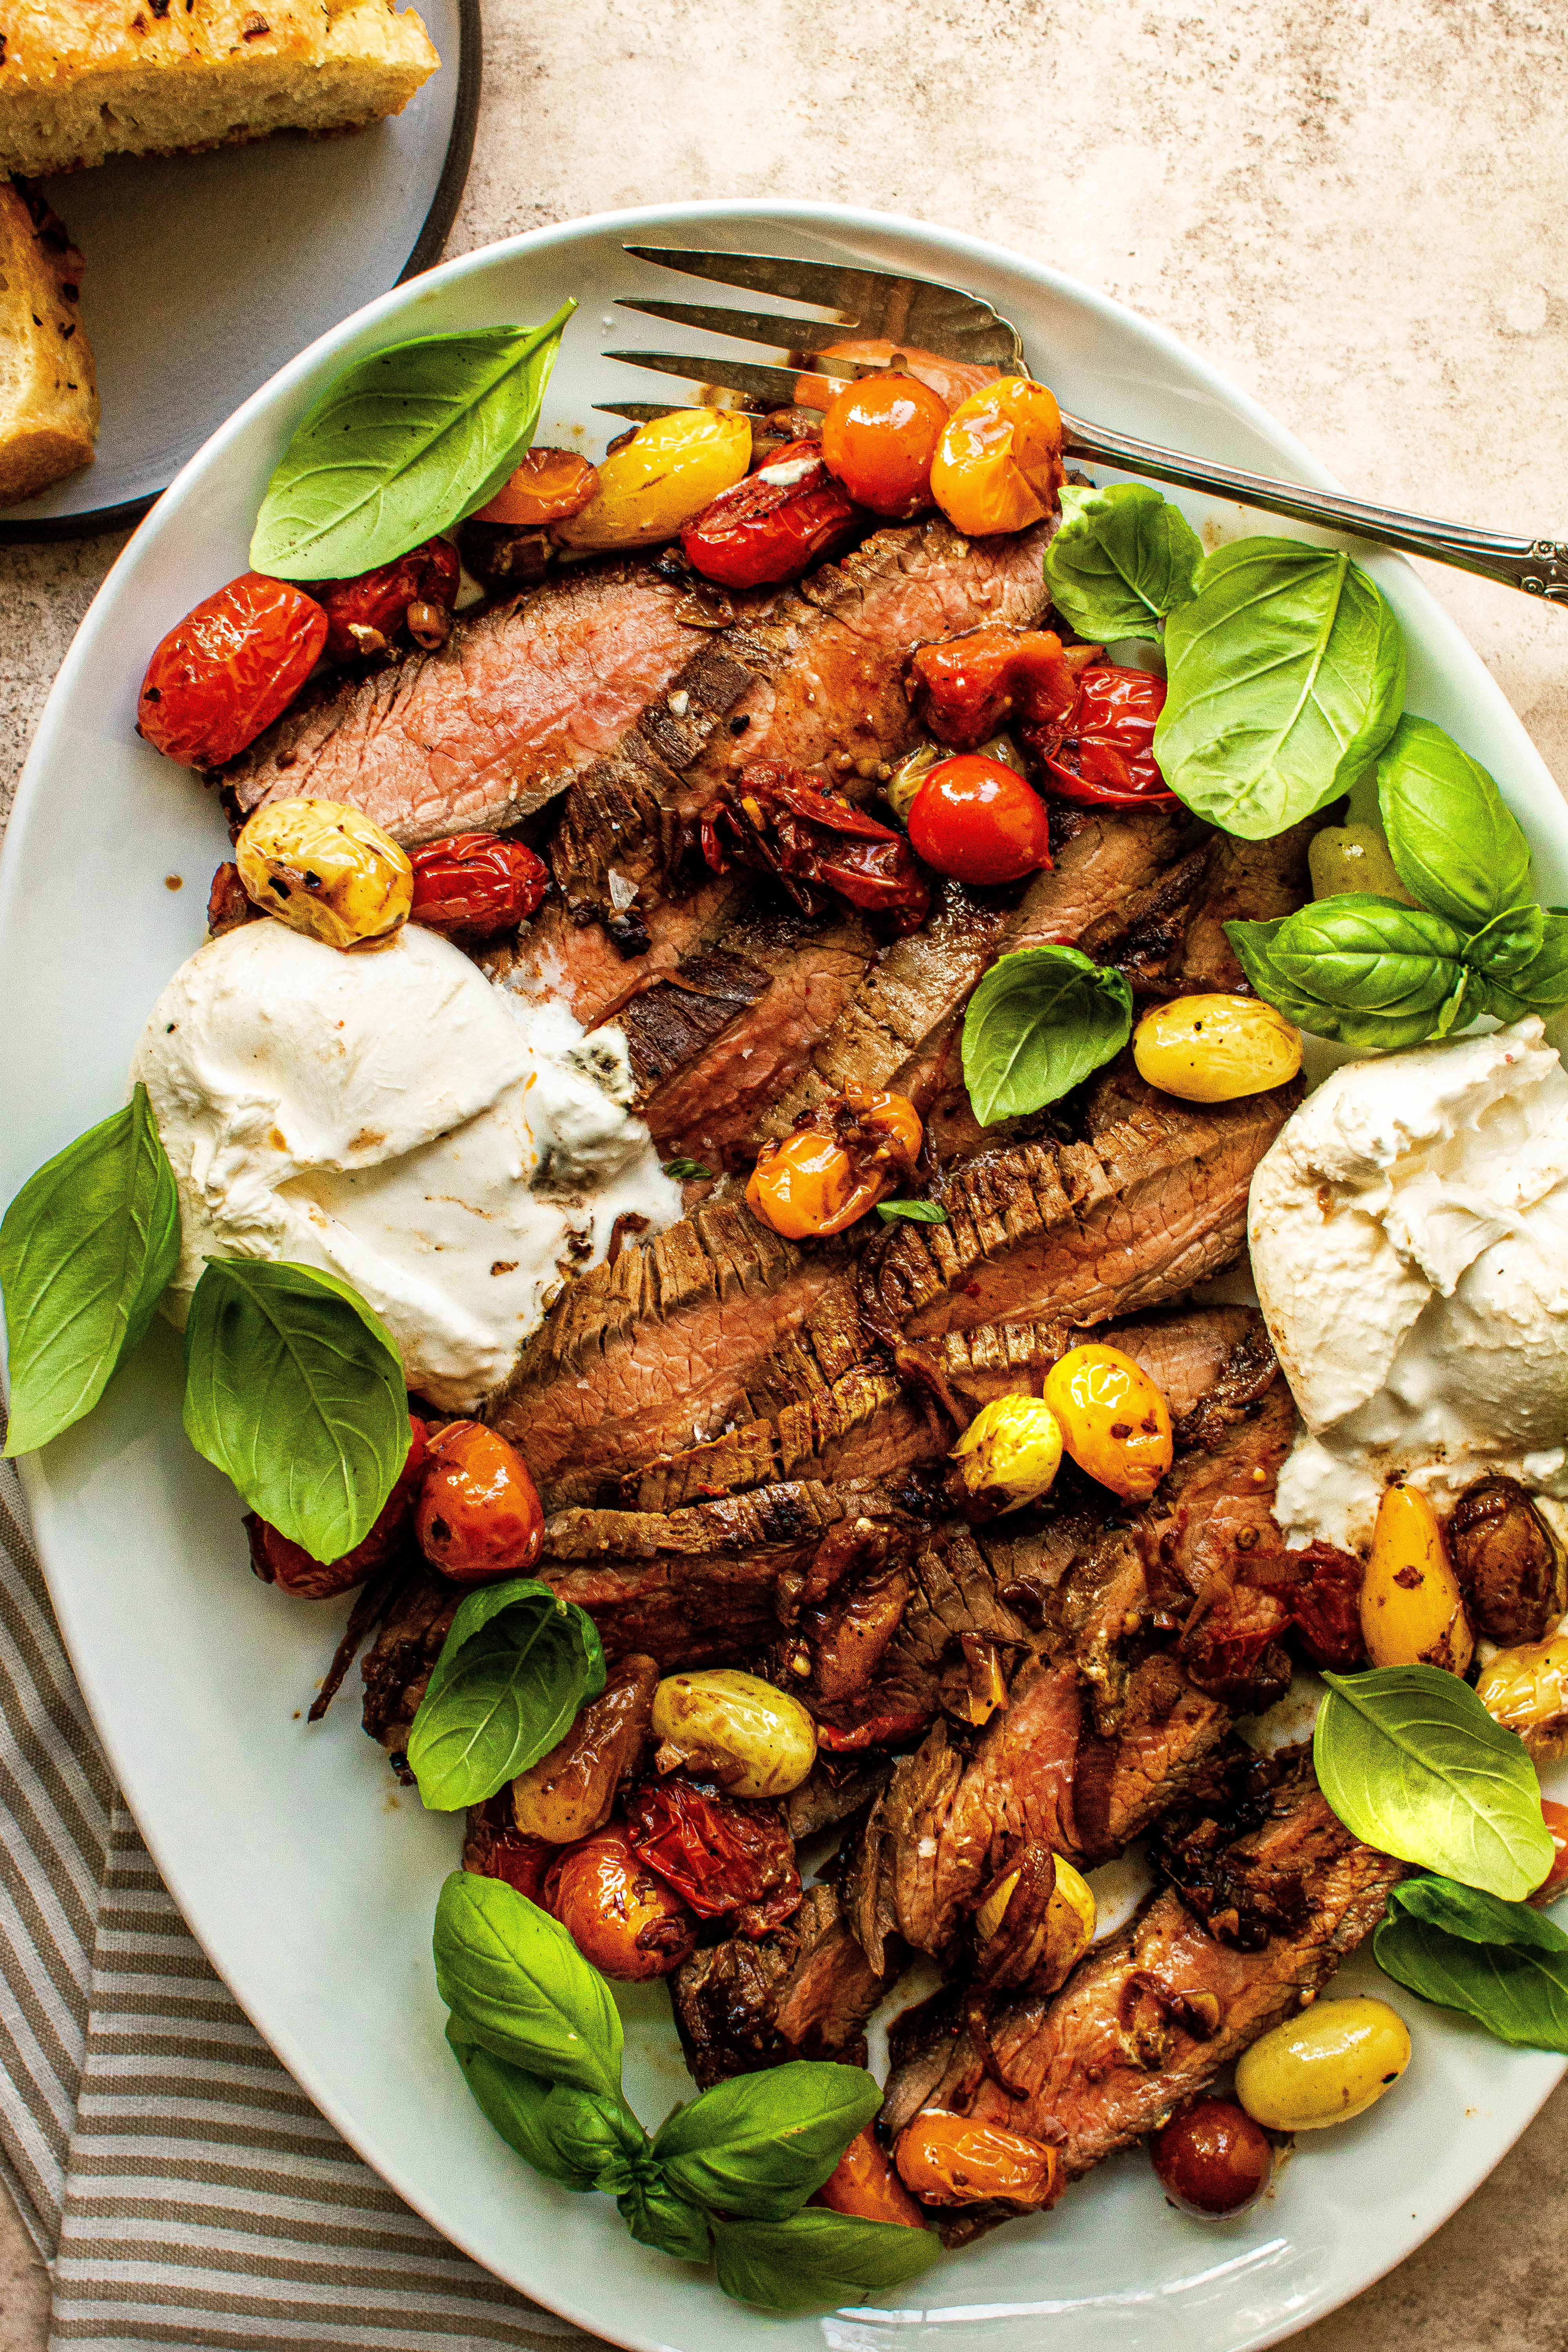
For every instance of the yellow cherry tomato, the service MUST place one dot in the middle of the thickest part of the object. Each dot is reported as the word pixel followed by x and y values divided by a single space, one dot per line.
pixel 1412 1611
pixel 1010 1451
pixel 1213 1048
pixel 1114 1421
pixel 324 868
pixel 1527 1689
pixel 1330 2064
pixel 668 472
pixel 999 462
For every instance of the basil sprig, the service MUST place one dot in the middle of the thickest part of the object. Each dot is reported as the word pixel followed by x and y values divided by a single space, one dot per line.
pixel 401 445
pixel 1040 1021
pixel 1286 678
pixel 727 2174
pixel 295 1391
pixel 517 1665
pixel 1412 1763
pixel 1501 1963
pixel 1381 976
pixel 87 1248
pixel 1123 558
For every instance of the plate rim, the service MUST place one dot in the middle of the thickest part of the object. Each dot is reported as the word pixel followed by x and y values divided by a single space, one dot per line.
pixel 425 255
pixel 847 221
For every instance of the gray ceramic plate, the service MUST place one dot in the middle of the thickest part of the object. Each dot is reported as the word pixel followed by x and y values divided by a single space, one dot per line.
pixel 207 273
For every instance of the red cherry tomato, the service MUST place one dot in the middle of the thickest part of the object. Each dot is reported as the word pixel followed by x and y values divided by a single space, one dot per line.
pixel 1102 750
pixel 479 1514
pixel 772 526
pixel 474 884
pixel 365 614
pixel 880 437
pixel 289 1566
pixel 229 669
pixel 977 820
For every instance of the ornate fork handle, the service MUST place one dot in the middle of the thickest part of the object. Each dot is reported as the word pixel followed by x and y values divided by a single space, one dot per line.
pixel 1539 566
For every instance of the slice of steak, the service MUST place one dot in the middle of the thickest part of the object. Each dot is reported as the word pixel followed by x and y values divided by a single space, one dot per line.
pixel 1153 1201
pixel 1247 881
pixel 398 1664
pixel 496 722
pixel 1103 858
pixel 803 1991
pixel 1155 2015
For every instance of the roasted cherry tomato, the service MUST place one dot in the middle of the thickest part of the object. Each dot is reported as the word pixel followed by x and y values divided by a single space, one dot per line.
pixel 847 1154
pixel 966 688
pixel 419 590
pixel 950 2159
pixel 999 461
pixel 1556 1819
pixel 494 1847
pixel 620 1914
pixel 784 822
pixel 549 486
pixel 480 1513
pixel 1102 748
pixel 719 1854
pixel 474 884
pixel 229 668
pixel 880 437
pixel 952 381
pixel 773 525
pixel 864 2184
pixel 1212 2158
pixel 978 820
pixel 289 1566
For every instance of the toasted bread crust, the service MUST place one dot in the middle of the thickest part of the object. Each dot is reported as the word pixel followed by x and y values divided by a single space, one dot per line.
pixel 48 395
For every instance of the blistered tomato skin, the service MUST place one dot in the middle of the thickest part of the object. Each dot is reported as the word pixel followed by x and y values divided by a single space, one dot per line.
pixel 1216 1048
pixel 1101 750
pixel 1330 2064
pixel 1212 2158
pixel 292 1568
pixel 824 1177
pixel 947 2159
pixel 879 436
pixel 363 614
pixel 773 526
pixel 325 869
pixel 1526 1689
pixel 732 1727
pixel 229 670
pixel 480 1514
pixel 999 461
pixel 620 1915
pixel 1011 1452
pixel 474 884
pixel 549 486
pixel 1114 1420
pixel 661 478
pixel 864 2184
pixel 1412 1609
pixel 977 820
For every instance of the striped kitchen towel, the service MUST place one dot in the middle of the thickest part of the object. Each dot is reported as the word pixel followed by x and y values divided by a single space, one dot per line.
pixel 184 2188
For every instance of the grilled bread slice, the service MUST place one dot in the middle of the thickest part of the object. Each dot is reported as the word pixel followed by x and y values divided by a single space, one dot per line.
pixel 84 80
pixel 48 397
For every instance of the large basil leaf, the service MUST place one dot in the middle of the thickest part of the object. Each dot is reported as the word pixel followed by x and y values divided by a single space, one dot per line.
pixel 517 1665
pixel 1412 1763
pixel 1369 971
pixel 1455 846
pixel 401 445
pixel 87 1248
pixel 1123 558
pixel 1475 1917
pixel 1368 1031
pixel 1286 678
pixel 517 1984
pixel 1517 978
pixel 295 1391
pixel 1040 1021
pixel 519 2106
pixel 761 2144
pixel 817 2257
pixel 1501 1963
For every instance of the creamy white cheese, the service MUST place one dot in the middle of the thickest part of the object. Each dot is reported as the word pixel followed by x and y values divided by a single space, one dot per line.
pixel 451 1150
pixel 1409 1238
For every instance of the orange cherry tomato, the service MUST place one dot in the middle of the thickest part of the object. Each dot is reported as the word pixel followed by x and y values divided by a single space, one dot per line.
pixel 479 1514
pixel 948 2160
pixel 880 437
pixel 822 1178
pixel 620 1915
pixel 999 460
pixel 473 885
pixel 229 670
pixel 864 2184
pixel 952 381
pixel 977 820
pixel 292 1568
pixel 549 486
pixel 1556 1878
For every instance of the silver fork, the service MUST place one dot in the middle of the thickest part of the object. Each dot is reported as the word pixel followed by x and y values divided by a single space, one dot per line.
pixel 960 326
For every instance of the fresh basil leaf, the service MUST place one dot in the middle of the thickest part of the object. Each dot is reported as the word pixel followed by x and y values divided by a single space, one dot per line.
pixel 1123 558
pixel 598 2136
pixel 655 2216
pixel 1455 845
pixel 401 445
pixel 1508 943
pixel 686 1171
pixel 1383 1031
pixel 295 1391
pixel 1286 675
pixel 1518 1993
pixel 518 2106
pixel 761 2144
pixel 1538 983
pixel 1476 1919
pixel 517 1984
pixel 517 1665
pixel 1039 1021
pixel 87 1248
pixel 1412 1763
pixel 817 2257
pixel 1372 972
pixel 913 1212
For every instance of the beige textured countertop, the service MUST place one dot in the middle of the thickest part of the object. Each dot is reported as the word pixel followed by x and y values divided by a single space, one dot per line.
pixel 1358 209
